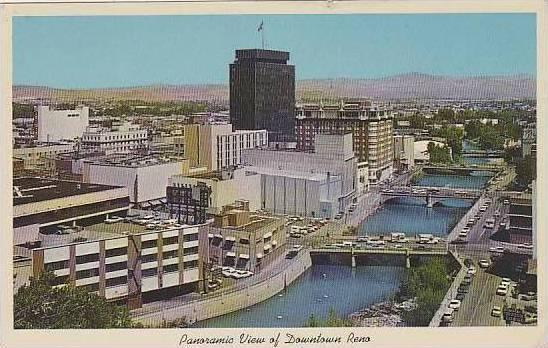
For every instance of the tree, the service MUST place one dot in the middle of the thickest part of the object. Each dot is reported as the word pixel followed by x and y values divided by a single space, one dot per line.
pixel 41 306
pixel 526 170
pixel 438 154
pixel 427 283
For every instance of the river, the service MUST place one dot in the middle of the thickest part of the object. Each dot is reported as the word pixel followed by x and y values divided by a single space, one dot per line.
pixel 411 216
pixel 314 293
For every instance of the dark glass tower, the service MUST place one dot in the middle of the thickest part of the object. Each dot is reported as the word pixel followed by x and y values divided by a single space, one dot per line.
pixel 262 93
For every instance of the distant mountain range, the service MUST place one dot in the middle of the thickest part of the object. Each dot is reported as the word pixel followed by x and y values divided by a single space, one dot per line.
pixel 405 86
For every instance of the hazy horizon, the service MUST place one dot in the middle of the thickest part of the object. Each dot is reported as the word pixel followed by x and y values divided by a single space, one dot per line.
pixel 509 76
pixel 136 51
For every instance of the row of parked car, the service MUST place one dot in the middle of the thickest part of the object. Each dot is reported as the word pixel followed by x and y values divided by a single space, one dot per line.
pixel 454 304
pixel 231 272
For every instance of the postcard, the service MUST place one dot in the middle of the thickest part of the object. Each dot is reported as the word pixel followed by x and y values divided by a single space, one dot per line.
pixel 270 174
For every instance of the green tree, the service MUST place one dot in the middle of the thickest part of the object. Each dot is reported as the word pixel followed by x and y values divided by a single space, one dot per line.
pixel 427 283
pixel 438 154
pixel 39 305
pixel 526 170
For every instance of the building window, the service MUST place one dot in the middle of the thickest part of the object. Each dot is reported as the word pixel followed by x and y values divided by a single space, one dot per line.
pixel 170 254
pixel 190 237
pixel 171 268
pixel 87 258
pixel 87 273
pixel 116 252
pixel 118 266
pixel 170 240
pixel 150 272
pixel 60 280
pixel 53 266
pixel 91 287
pixel 149 244
pixel 116 281
pixel 190 251
pixel 149 258
pixel 190 264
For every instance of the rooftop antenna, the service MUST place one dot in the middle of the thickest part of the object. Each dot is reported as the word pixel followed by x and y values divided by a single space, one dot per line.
pixel 261 30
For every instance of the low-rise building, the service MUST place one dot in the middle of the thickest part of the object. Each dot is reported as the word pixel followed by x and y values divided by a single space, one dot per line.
pixel 56 125
pixel 246 241
pixel 317 184
pixel 404 152
pixel 226 186
pixel 144 177
pixel 40 204
pixel 35 156
pixel 125 261
pixel 120 138
pixel 217 146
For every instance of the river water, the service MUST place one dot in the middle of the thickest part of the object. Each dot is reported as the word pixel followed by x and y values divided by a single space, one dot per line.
pixel 320 288
pixel 411 216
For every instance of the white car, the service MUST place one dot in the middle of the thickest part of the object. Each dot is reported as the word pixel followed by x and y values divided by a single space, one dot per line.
pixel 496 249
pixel 505 282
pixel 502 290
pixel 496 311
pixel 455 304
pixel 114 219
pixel 448 315
pixel 472 270
pixel 483 263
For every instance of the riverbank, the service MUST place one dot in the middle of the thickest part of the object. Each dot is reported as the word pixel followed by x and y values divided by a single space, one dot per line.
pixel 224 302
pixel 382 314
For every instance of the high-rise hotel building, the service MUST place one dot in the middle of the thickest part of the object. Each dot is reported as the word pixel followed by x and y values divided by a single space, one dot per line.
pixel 370 125
pixel 262 93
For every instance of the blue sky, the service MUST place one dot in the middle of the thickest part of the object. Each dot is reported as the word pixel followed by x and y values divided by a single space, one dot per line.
pixel 117 51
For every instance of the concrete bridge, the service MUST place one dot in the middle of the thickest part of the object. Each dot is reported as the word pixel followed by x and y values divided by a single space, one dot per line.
pixel 461 170
pixel 431 195
pixel 485 153
pixel 370 256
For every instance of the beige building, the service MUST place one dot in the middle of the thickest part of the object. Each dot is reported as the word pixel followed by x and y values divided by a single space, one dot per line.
pixel 246 241
pixel 227 186
pixel 35 156
pixel 404 152
pixel 370 125
pixel 216 146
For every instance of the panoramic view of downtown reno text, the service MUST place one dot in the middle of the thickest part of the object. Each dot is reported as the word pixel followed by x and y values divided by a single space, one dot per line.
pixel 274 171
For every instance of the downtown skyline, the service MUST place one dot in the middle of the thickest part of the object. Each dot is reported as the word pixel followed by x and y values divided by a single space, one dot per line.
pixel 102 52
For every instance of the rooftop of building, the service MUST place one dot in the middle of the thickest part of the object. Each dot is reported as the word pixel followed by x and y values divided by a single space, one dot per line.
pixel 33 189
pixel 256 53
pixel 102 231
pixel 132 160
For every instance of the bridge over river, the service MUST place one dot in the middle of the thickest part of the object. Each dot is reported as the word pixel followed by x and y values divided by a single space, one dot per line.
pixel 431 195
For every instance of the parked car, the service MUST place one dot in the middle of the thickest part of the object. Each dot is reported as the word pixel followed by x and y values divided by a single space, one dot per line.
pixel 471 270
pixel 502 290
pixel 455 304
pixel 448 315
pixel 483 263
pixel 114 219
pixel 460 296
pixel 496 311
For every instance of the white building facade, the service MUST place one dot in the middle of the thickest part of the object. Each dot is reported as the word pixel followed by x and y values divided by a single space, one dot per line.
pixel 54 125
pixel 122 138
pixel 318 184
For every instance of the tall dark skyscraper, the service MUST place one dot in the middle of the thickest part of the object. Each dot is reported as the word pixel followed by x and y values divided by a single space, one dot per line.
pixel 262 93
